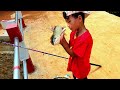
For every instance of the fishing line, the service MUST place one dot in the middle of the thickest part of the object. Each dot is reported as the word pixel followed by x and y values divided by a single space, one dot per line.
pixel 32 49
pixel 41 51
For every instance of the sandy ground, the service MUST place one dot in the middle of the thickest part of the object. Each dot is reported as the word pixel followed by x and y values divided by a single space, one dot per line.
pixel 104 28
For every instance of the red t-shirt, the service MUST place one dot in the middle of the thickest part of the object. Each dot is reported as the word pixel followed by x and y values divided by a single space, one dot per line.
pixel 81 46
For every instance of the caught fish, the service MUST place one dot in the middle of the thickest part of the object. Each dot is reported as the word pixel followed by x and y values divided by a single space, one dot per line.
pixel 57 32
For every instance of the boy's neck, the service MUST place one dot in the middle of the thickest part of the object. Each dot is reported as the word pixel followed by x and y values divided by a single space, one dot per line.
pixel 80 31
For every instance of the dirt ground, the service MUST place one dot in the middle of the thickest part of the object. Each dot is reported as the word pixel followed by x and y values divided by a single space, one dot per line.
pixel 105 30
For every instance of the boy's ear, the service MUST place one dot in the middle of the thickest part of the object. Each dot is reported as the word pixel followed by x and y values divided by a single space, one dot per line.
pixel 80 17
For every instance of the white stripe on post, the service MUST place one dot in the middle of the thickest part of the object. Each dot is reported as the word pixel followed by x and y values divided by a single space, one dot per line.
pixel 16 71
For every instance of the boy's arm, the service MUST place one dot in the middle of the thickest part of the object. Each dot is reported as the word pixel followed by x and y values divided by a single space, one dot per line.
pixel 65 45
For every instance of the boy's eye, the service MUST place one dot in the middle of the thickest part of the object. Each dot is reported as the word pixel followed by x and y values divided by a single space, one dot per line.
pixel 68 21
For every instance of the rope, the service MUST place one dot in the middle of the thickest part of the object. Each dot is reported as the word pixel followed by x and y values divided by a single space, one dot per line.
pixel 41 52
pixel 32 49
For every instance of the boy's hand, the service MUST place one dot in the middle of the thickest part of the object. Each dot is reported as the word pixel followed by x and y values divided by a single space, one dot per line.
pixel 62 38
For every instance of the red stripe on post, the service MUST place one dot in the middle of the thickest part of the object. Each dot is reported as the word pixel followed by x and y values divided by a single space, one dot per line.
pixel 14 31
pixel 16 67
pixel 30 66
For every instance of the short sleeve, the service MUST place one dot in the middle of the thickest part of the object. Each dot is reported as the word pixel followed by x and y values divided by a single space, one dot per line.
pixel 80 48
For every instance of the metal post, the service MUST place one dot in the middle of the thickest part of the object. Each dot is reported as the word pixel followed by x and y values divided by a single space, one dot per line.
pixel 16 17
pixel 21 28
pixel 16 68
pixel 25 72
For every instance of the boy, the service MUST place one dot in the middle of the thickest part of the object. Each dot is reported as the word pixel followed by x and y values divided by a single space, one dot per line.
pixel 80 44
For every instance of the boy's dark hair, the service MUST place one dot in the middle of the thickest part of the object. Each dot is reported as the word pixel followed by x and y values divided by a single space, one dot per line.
pixel 74 15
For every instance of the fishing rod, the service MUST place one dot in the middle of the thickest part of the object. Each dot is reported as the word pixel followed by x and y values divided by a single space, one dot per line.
pixel 40 51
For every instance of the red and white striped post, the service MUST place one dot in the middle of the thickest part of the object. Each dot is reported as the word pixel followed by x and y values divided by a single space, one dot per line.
pixel 15 37
pixel 24 55
pixel 14 29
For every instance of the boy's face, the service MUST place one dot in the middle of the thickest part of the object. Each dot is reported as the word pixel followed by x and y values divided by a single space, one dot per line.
pixel 73 23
